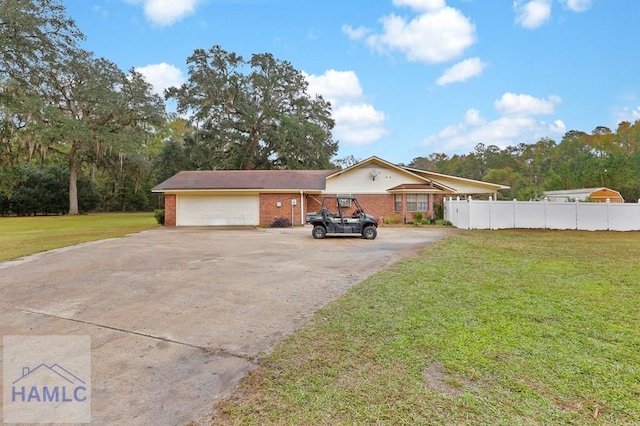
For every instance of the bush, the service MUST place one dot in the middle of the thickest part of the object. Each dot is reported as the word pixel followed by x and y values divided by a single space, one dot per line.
pixel 417 216
pixel 159 215
pixel 393 220
pixel 444 222
pixel 4 205
pixel 280 222
pixel 439 210
pixel 43 190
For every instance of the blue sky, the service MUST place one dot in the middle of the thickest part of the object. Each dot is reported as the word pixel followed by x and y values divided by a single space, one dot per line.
pixel 406 78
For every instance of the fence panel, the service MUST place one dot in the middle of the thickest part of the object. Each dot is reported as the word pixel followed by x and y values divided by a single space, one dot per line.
pixel 472 214
pixel 592 216
pixel 529 214
pixel 624 217
pixel 561 215
pixel 480 215
pixel 462 214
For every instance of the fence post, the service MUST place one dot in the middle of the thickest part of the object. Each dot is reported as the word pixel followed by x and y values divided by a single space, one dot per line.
pixel 490 212
pixel 608 213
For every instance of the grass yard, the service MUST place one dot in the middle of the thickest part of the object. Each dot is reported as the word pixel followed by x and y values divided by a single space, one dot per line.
pixel 485 328
pixel 21 236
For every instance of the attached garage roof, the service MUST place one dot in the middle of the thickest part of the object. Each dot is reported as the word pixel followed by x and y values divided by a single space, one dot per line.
pixel 246 179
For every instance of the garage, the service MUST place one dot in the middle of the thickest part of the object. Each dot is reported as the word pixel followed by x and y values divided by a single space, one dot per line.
pixel 238 197
pixel 217 210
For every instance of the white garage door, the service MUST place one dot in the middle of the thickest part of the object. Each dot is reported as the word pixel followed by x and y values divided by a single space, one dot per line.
pixel 218 210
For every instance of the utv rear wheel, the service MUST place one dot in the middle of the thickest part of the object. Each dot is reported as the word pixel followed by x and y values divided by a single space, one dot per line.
pixel 319 232
pixel 369 232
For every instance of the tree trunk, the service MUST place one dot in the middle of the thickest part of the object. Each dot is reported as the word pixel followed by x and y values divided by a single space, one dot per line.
pixel 73 181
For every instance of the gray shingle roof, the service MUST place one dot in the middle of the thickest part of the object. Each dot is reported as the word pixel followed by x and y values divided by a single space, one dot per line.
pixel 246 179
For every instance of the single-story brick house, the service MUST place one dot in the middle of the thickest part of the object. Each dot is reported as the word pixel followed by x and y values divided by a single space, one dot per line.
pixel 257 197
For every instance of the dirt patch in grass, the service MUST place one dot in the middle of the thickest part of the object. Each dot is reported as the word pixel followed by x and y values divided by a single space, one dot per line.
pixel 437 379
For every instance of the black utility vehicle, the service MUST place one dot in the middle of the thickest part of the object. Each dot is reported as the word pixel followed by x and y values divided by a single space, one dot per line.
pixel 342 215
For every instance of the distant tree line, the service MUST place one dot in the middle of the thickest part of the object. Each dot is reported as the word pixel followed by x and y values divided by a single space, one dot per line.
pixel 603 158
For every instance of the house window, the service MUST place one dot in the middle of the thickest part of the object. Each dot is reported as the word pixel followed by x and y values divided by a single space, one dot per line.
pixel 417 202
pixel 346 201
pixel 398 203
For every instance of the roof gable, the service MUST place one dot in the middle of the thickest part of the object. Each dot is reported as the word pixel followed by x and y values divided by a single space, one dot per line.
pixel 445 183
pixel 459 185
pixel 373 175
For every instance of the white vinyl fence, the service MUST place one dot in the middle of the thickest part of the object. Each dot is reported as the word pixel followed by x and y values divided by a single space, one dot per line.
pixel 477 214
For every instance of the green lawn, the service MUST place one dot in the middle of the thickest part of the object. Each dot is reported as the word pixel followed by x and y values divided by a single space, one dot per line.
pixel 485 328
pixel 21 236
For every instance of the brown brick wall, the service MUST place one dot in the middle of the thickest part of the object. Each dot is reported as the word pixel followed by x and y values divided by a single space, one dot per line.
pixel 269 210
pixel 313 203
pixel 169 210
pixel 388 210
pixel 377 205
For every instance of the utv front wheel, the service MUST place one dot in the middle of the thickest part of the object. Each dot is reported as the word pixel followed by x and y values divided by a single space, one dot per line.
pixel 319 232
pixel 369 232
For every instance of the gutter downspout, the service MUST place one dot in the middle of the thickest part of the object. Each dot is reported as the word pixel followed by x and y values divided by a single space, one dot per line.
pixel 302 215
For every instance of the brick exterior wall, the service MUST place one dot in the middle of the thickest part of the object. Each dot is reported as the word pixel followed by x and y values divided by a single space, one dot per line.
pixel 377 205
pixel 169 210
pixel 406 216
pixel 381 205
pixel 313 203
pixel 269 209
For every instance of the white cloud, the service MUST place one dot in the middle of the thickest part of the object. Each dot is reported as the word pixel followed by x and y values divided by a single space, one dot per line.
pixel 162 76
pixel 355 33
pixel 516 124
pixel 511 104
pixel 357 122
pixel 421 5
pixel 438 35
pixel 461 71
pixel 473 117
pixel 335 85
pixel 627 114
pixel 576 5
pixel 166 12
pixel 535 13
pixel 532 14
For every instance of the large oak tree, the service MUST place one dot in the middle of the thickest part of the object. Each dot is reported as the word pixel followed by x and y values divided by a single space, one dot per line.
pixel 33 35
pixel 255 114
pixel 96 111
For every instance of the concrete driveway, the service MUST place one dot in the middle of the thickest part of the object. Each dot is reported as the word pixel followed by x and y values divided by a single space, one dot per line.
pixel 177 316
